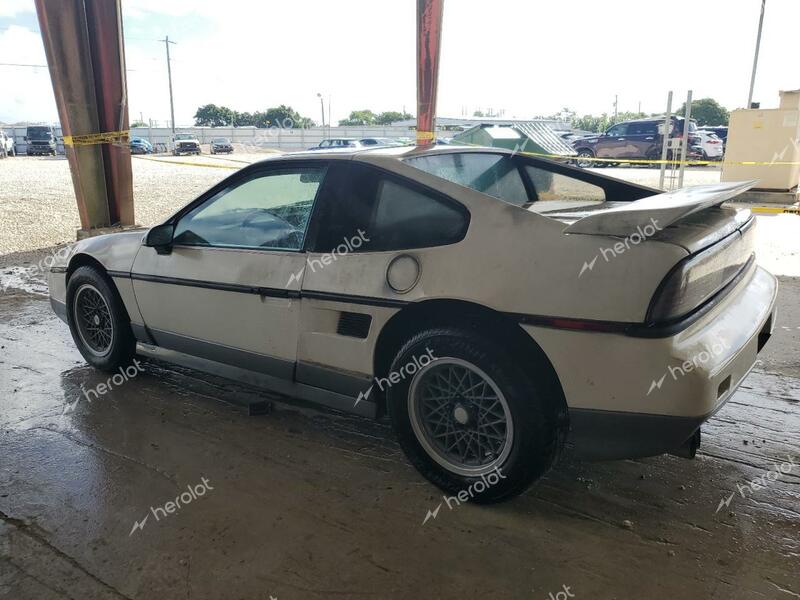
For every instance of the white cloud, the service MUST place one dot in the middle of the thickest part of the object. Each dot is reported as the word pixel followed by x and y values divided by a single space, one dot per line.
pixel 12 8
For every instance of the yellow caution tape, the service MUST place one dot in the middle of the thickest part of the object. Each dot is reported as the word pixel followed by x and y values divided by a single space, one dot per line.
pixel 188 164
pixel 425 136
pixel 643 161
pixel 97 138
pixel 777 210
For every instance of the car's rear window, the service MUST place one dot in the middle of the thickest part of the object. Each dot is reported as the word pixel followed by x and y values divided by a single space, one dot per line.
pixel 492 174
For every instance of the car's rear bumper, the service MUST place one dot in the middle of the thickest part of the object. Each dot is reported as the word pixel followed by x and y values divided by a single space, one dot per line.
pixel 630 397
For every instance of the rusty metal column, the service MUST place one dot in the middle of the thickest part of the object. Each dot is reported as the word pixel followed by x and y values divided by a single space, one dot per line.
pixel 86 69
pixel 104 21
pixel 429 38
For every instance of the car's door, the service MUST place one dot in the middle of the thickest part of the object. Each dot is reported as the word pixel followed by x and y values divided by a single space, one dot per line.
pixel 612 144
pixel 641 139
pixel 229 289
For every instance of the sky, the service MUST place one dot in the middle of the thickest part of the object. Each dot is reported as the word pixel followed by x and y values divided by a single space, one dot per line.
pixel 525 57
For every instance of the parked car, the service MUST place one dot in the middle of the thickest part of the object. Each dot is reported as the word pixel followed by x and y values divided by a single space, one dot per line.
pixel 41 140
pixel 337 143
pixel 7 145
pixel 379 141
pixel 720 131
pixel 221 145
pixel 712 146
pixel 640 139
pixel 185 143
pixel 140 146
pixel 421 283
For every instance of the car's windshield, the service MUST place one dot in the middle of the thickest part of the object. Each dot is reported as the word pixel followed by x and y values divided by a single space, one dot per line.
pixel 184 136
pixel 39 133
pixel 219 141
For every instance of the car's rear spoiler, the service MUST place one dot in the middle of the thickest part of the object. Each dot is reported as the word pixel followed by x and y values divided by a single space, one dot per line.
pixel 663 209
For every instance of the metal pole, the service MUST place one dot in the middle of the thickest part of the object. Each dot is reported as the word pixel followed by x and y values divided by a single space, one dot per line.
pixel 665 141
pixel 322 108
pixel 685 143
pixel 169 75
pixel 616 107
pixel 429 38
pixel 755 57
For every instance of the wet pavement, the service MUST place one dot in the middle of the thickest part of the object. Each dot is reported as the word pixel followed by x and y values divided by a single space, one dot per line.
pixel 163 487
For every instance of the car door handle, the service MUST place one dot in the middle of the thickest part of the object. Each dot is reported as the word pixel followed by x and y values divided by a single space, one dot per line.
pixel 620 139
pixel 649 138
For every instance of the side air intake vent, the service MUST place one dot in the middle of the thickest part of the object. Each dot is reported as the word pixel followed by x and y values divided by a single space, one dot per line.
pixel 354 324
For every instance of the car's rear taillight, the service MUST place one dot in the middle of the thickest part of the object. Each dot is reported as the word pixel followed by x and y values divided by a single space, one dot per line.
pixel 699 277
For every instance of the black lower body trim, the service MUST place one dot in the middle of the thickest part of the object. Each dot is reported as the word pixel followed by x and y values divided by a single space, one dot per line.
pixel 612 435
pixel 252 361
pixel 349 384
pixel 282 386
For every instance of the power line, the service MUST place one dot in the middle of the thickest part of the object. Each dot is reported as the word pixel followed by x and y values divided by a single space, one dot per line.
pixel 21 65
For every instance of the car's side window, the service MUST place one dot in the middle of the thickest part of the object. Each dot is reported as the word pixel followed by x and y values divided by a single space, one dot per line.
pixel 557 192
pixel 268 210
pixel 618 130
pixel 386 211
pixel 405 218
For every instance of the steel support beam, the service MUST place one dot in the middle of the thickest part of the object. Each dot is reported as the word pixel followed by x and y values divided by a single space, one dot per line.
pixel 429 39
pixel 84 47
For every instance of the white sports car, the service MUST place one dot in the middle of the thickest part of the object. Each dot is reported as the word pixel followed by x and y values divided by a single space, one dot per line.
pixel 495 305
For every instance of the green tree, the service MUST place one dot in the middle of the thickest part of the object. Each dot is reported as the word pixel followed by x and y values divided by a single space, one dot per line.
pixel 478 113
pixel 390 116
pixel 212 115
pixel 707 111
pixel 139 124
pixel 359 118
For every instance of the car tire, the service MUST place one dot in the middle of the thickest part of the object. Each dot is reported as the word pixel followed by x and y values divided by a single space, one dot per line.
pixel 518 446
pixel 98 320
pixel 584 153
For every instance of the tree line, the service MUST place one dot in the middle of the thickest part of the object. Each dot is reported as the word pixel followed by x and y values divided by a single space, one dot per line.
pixel 211 115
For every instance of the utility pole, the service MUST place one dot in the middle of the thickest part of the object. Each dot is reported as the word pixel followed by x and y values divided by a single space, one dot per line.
pixel 169 75
pixel 755 57
pixel 322 107
pixel 616 107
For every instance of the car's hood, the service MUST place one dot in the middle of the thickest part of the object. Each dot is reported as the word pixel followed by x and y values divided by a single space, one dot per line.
pixel 192 141
pixel 665 209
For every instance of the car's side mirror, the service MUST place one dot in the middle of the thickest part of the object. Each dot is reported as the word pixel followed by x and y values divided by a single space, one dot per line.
pixel 160 237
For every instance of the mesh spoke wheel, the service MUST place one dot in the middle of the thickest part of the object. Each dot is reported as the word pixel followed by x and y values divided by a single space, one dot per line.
pixel 460 417
pixel 93 320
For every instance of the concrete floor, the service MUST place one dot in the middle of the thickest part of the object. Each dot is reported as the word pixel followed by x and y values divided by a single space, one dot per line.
pixel 306 504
